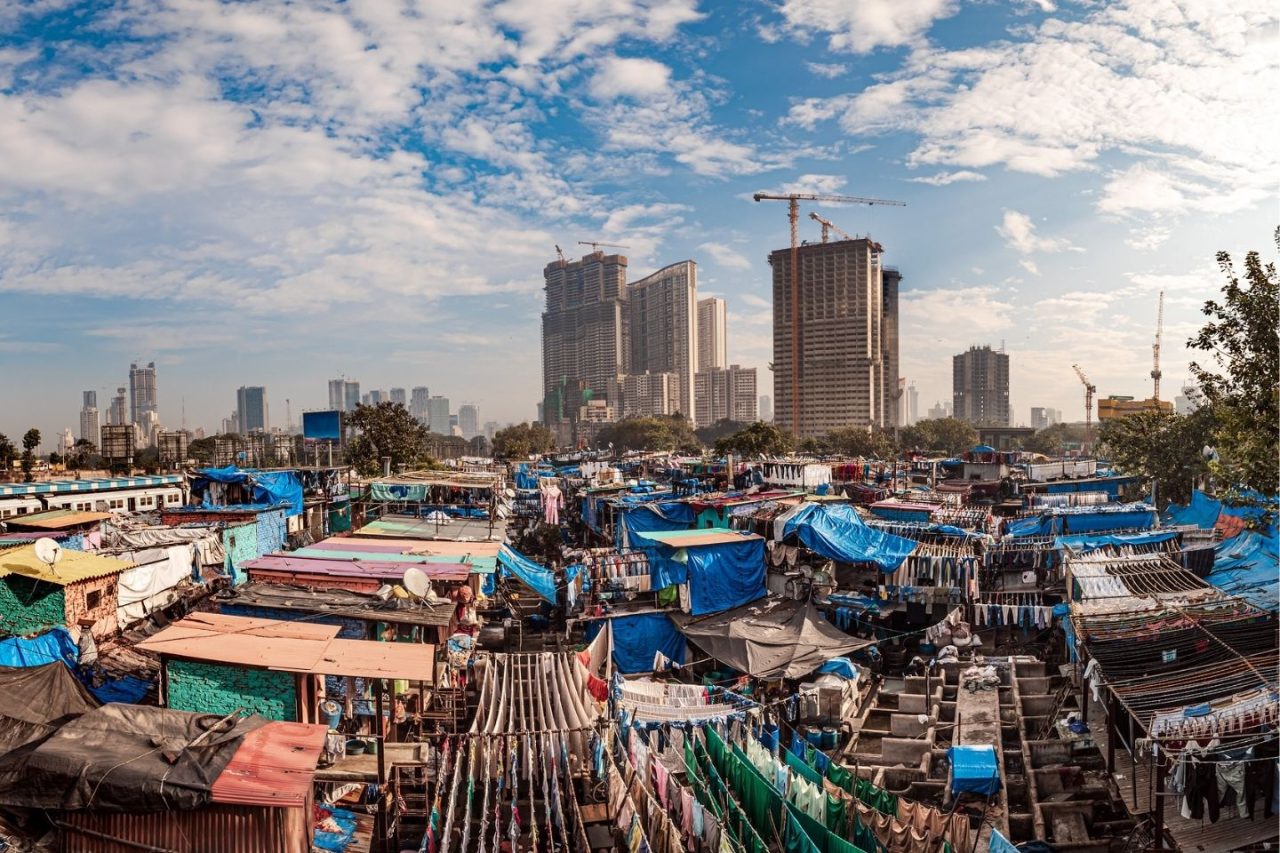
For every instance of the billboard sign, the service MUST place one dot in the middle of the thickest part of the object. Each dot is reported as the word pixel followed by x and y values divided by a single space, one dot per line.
pixel 322 426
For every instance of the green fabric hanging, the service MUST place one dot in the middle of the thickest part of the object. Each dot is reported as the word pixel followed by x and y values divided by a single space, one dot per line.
pixel 835 814
pixel 796 839
pixel 668 595
pixel 804 771
pixel 840 776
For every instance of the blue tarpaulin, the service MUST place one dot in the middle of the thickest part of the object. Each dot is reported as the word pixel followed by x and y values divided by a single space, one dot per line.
pixel 974 770
pixel 839 533
pixel 537 577
pixel 270 488
pixel 37 651
pixel 1090 542
pixel 1202 511
pixel 842 667
pixel 650 518
pixel 720 576
pixel 636 638
pixel 1245 565
pixel 1084 519
pixel 128 689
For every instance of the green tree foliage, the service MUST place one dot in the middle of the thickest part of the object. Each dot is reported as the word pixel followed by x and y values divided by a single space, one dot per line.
pixel 856 441
pixel 709 435
pixel 30 441
pixel 386 429
pixel 657 433
pixel 942 435
pixel 1055 440
pixel 202 449
pixel 7 453
pixel 84 455
pixel 757 439
pixel 1161 447
pixel 1242 382
pixel 520 441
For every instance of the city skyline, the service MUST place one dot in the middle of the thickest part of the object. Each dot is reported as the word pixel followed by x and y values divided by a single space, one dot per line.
pixel 1054 233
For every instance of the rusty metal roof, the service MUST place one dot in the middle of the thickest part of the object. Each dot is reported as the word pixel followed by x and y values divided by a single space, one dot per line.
pixel 72 567
pixel 370 659
pixel 275 766
pixel 57 519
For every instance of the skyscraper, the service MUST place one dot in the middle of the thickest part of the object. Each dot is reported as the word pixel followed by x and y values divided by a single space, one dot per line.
pixel 662 320
pixel 913 404
pixel 251 404
pixel 890 392
pixel 142 392
pixel 418 403
pixel 726 394
pixel 1040 417
pixel 90 400
pixel 377 396
pixel 469 420
pixel 712 334
pixel 584 335
pixel 766 407
pixel 398 396
pixel 118 413
pixel 438 415
pixel 350 395
pixel 338 394
pixel 90 426
pixel 980 386
pixel 830 332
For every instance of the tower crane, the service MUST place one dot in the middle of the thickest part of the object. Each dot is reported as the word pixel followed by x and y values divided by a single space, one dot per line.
pixel 1089 390
pixel 595 245
pixel 1155 354
pixel 828 226
pixel 560 253
pixel 793 216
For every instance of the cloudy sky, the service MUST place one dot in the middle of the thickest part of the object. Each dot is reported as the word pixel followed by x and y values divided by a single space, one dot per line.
pixel 263 193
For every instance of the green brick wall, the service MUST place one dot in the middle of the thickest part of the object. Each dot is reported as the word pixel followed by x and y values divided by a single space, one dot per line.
pixel 213 689
pixel 28 606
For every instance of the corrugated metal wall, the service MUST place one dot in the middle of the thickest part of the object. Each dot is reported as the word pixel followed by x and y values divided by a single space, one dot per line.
pixel 213 829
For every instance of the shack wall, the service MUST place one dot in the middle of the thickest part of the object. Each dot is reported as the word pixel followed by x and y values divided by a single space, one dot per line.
pixel 220 689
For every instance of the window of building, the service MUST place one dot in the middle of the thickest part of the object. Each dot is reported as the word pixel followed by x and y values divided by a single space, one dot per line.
pixel 93 599
pixel 117 504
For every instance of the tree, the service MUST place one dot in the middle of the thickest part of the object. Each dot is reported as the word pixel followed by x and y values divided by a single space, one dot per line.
pixel 757 439
pixel 7 453
pixel 386 429
pixel 639 434
pixel 1161 447
pixel 520 441
pixel 945 435
pixel 858 441
pixel 1242 385
pixel 1054 440
pixel 30 441
pixel 709 435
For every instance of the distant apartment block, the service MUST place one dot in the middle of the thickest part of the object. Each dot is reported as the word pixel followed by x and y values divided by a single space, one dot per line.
pixel 438 415
pixel 650 395
pixel 662 317
pixel 713 323
pixel 251 404
pixel 726 394
pixel 469 420
pixel 980 386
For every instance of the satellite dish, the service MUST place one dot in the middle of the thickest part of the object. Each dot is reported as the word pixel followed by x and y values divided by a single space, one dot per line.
pixel 417 582
pixel 511 493
pixel 48 551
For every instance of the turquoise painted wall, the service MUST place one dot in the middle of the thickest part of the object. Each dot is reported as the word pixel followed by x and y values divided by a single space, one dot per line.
pixel 241 543
pixel 28 606
pixel 214 689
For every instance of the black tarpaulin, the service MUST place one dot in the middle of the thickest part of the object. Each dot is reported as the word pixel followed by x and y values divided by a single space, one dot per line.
pixel 770 638
pixel 35 700
pixel 124 758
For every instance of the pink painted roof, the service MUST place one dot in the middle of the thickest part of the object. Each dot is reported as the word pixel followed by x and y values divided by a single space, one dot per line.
pixel 370 569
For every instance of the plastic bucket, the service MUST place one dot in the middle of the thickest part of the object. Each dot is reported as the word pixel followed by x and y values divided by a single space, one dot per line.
pixel 830 737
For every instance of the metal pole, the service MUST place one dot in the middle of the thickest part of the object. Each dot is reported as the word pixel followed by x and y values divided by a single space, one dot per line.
pixel 793 214
pixel 1159 827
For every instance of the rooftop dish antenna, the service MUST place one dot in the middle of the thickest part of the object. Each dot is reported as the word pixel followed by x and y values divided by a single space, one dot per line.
pixel 48 552
pixel 415 580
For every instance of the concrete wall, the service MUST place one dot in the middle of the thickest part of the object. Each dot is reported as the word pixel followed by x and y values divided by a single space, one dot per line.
pixel 103 614
pixel 28 606
pixel 217 689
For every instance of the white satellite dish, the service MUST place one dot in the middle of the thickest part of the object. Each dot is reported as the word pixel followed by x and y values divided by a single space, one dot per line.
pixel 511 493
pixel 48 551
pixel 417 582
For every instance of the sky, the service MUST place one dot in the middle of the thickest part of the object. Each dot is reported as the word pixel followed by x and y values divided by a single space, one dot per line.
pixel 262 193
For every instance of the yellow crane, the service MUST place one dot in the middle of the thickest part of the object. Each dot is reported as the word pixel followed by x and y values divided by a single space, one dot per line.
pixel 793 216
pixel 1089 390
pixel 1155 354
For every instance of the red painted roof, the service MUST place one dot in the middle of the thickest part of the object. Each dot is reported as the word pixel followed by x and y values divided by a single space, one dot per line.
pixel 274 766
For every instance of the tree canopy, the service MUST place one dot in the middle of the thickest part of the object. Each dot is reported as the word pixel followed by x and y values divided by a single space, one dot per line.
pixel 857 441
pixel 520 441
pixel 1241 380
pixel 709 435
pixel 30 441
pixel 945 435
pixel 1162 447
pixel 655 433
pixel 387 429
pixel 757 439
pixel 1055 440
pixel 7 452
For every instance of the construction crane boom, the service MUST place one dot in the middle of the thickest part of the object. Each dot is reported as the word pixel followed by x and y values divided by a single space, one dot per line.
pixel 596 244
pixel 828 226
pixel 1089 390
pixel 793 216
pixel 1155 354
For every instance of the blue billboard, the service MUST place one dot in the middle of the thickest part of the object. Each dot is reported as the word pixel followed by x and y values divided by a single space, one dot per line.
pixel 322 426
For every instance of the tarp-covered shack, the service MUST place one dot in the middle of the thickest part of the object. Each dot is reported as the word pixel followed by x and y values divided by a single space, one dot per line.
pixel 722 569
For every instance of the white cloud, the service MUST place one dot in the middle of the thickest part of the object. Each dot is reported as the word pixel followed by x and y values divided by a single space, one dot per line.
pixel 830 70
pixel 864 25
pixel 815 184
pixel 1019 233
pixel 942 179
pixel 639 78
pixel 1148 240
pixel 725 256
pixel 1029 265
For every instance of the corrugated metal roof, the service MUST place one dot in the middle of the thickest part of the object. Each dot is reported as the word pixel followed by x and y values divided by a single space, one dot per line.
pixel 56 519
pixel 392 545
pixel 74 566
pixel 370 659
pixel 477 564
pixel 695 538
pixel 372 569
pixel 274 766
pixel 96 484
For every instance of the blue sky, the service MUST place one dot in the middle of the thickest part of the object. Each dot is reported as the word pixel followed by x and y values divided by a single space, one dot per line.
pixel 264 193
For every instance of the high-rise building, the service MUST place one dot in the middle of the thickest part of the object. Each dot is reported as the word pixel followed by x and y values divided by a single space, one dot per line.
pixel 891 390
pixel 828 354
pixel 766 407
pixel 940 409
pixel 338 394
pixel 980 386
pixel 912 400
pixel 377 396
pixel 231 424
pixel 142 391
pixel 469 420
pixel 350 395
pixel 584 331
pixel 418 403
pixel 1040 417
pixel 118 412
pixel 490 429
pixel 1188 401
pixel 650 395
pixel 438 415
pixel 726 394
pixel 365 399
pixel 251 403
pixel 662 320
pixel 90 428
pixel 713 347
pixel 90 399
pixel 398 396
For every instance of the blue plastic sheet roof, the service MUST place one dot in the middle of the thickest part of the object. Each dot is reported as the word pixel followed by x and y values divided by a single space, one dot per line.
pixel 839 533
pixel 1085 542
pixel 636 638
pixel 537 577
pixel 270 488
pixel 1245 564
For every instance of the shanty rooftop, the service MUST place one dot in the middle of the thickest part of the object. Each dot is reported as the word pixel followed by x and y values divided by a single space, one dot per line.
pixel 72 566
pixel 57 519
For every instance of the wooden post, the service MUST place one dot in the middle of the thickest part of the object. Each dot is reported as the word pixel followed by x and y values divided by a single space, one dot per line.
pixel 1113 730
pixel 1159 804
pixel 378 690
